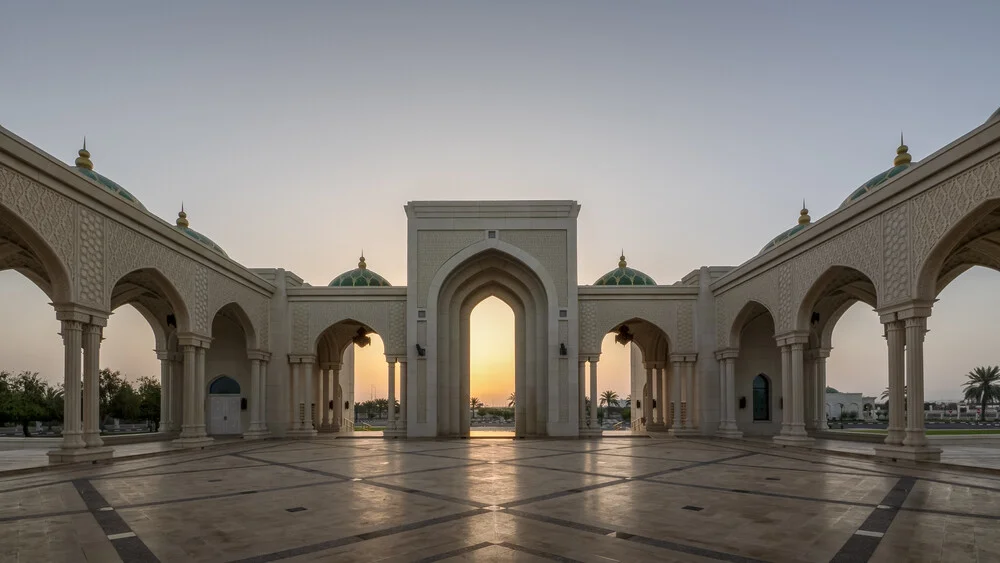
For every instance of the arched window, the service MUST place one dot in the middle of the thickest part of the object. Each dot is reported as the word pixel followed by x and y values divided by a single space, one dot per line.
pixel 224 386
pixel 761 398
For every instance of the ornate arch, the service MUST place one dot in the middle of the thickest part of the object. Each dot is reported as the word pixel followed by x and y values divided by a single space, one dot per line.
pixel 311 318
pixel 236 312
pixel 750 310
pixel 25 250
pixel 958 248
pixel 835 282
pixel 599 317
pixel 134 285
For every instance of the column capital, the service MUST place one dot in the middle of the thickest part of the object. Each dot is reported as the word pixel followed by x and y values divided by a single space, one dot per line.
pixel 301 358
pixel 905 310
pixel 164 355
pixel 818 353
pixel 792 337
pixel 80 314
pixel 681 358
pixel 727 353
pixel 257 355
pixel 192 339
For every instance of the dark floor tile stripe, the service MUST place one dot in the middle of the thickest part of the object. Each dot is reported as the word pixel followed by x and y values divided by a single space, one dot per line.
pixel 560 522
pixel 559 494
pixel 41 515
pixel 232 494
pixel 692 550
pixel 454 553
pixel 539 553
pixel 760 493
pixel 863 543
pixel 130 549
pixel 437 496
pixel 686 467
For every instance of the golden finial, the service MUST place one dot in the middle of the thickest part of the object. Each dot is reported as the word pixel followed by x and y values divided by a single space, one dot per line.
pixel 621 260
pixel 902 157
pixel 83 161
pixel 182 218
pixel 361 261
pixel 804 218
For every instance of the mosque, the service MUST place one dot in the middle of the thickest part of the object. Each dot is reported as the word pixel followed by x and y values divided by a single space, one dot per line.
pixel 725 351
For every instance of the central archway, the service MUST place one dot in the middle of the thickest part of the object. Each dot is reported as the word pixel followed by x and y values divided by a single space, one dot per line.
pixel 493 273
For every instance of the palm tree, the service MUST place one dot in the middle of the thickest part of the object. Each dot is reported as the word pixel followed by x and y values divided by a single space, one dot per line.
pixel 511 400
pixel 884 397
pixel 983 386
pixel 609 398
pixel 475 403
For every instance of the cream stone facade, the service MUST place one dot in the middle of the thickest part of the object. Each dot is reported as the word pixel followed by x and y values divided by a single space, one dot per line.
pixel 725 351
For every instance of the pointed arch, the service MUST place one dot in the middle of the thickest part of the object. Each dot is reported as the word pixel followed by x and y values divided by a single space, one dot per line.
pixel 973 240
pixel 750 311
pixel 27 252
pixel 235 311
pixel 151 282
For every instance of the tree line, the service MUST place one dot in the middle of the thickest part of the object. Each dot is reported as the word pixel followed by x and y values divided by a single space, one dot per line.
pixel 26 398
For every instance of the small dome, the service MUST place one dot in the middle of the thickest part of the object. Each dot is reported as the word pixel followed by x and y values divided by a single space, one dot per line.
pixel 85 167
pixel 804 221
pixel 183 226
pixel 359 277
pixel 623 275
pixel 899 165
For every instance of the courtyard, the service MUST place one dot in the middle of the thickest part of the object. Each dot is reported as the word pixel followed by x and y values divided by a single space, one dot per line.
pixel 616 499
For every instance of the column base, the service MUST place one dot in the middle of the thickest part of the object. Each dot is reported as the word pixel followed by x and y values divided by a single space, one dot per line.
pixel 302 433
pixel 256 434
pixel 793 440
pixel 908 453
pixel 78 455
pixel 656 427
pixel 93 439
pixel 193 441
pixel 684 432
pixel 591 432
pixel 728 433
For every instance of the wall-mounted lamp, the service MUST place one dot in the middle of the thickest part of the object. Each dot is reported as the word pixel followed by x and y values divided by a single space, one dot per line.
pixel 421 351
pixel 781 402
pixel 743 402
pixel 638 404
pixel 171 320
pixel 654 403
pixel 243 404
pixel 331 404
pixel 562 349
pixel 347 405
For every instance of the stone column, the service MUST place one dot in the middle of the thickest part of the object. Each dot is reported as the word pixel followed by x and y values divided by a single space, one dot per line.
pixel 798 391
pixel 821 423
pixel 72 434
pixel 786 390
pixel 309 397
pixel 688 395
pixel 593 395
pixel 916 436
pixel 166 389
pixel 731 426
pixel 390 423
pixel 294 413
pixel 663 400
pixel 189 427
pixel 256 428
pixel 337 420
pixel 403 393
pixel 895 336
pixel 326 374
pixel 809 389
pixel 723 395
pixel 91 386
pixel 582 384
pixel 199 409
pixel 263 394
pixel 694 408
pixel 675 395
pixel 651 379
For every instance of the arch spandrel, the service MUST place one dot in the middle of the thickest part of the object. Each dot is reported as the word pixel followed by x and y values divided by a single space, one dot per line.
pixel 46 220
pixel 940 216
pixel 762 289
pixel 750 309
pixel 255 306
pixel 854 284
pixel 152 280
pixel 598 317
pixel 310 319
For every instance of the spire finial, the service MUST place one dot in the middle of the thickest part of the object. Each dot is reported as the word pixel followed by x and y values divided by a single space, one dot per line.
pixel 621 261
pixel 361 261
pixel 902 156
pixel 83 161
pixel 804 218
pixel 182 218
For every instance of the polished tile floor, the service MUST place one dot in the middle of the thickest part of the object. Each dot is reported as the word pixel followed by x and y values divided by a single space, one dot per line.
pixel 605 500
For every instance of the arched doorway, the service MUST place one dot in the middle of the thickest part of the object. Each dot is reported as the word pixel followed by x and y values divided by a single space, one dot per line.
pixel 224 401
pixel 492 273
pixel 491 377
pixel 647 397
pixel 349 380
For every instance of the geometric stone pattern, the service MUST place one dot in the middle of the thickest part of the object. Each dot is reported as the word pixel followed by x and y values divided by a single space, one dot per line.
pixel 91 278
pixel 435 248
pixel 498 500
pixel 309 321
pixel 549 248
pixel 599 316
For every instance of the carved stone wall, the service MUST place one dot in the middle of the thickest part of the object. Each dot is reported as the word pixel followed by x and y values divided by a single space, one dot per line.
pixel 90 282
pixel 935 212
pixel 548 247
pixel 435 248
pixel 763 289
pixel 310 319
pixel 599 316
pixel 52 216
pixel 223 291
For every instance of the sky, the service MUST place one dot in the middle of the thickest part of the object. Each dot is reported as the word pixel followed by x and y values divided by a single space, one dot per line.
pixel 690 132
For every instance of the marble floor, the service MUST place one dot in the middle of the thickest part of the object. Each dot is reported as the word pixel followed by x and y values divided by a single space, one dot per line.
pixel 642 499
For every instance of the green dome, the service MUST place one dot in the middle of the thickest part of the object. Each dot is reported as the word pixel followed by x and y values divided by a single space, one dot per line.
pixel 623 275
pixel 899 165
pixel 85 167
pixel 359 277
pixel 804 221
pixel 182 226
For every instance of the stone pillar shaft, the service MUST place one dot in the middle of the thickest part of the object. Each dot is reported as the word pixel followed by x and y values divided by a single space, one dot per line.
pixel 675 395
pixel 403 391
pixel 582 384
pixel 166 389
pixel 593 394
pixel 731 394
pixel 821 423
pixel 895 336
pixel 72 434
pixel 786 390
pixel 798 391
pixel 91 386
pixel 308 377
pixel 392 393
pixel 254 395
pixel 652 380
pixel 199 407
pixel 916 436
pixel 190 391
